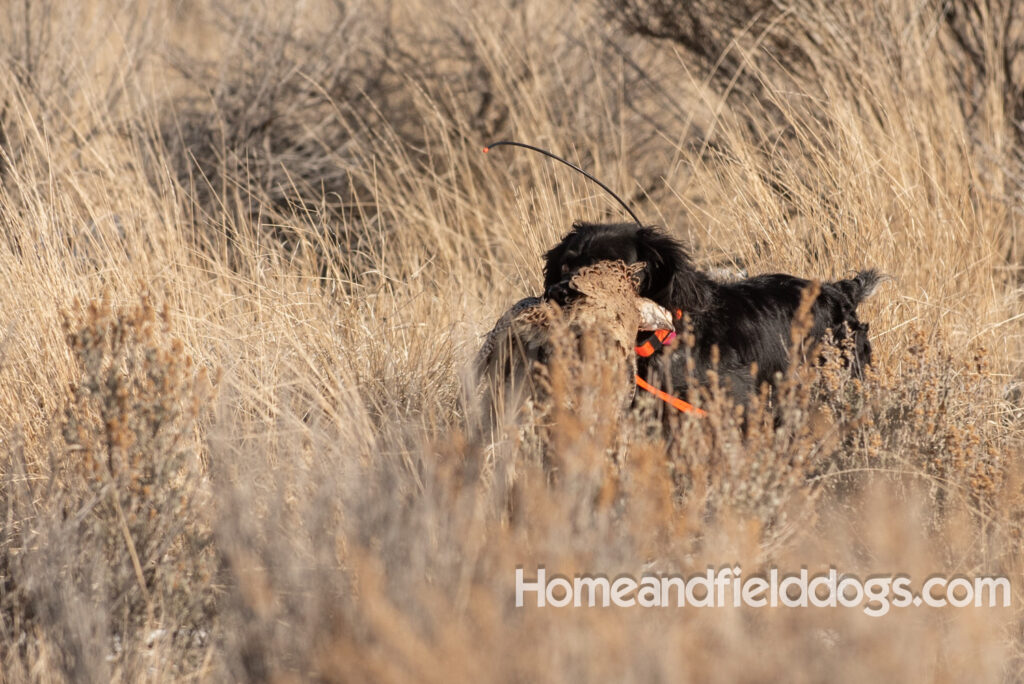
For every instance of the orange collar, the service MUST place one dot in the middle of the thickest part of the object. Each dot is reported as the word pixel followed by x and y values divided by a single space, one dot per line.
pixel 657 339
pixel 652 343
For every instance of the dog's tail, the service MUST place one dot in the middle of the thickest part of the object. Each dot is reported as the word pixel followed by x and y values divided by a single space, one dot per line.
pixel 862 285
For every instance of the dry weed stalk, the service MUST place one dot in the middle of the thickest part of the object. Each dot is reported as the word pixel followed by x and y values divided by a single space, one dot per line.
pixel 304 184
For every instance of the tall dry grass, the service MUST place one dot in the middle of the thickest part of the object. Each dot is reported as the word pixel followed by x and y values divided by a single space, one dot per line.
pixel 249 250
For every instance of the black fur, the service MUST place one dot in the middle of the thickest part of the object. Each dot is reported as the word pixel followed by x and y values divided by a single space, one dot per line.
pixel 748 320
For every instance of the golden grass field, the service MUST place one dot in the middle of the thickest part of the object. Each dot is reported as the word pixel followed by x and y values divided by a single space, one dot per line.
pixel 249 250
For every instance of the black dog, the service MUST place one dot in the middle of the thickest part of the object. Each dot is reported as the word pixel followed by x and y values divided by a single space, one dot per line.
pixel 749 321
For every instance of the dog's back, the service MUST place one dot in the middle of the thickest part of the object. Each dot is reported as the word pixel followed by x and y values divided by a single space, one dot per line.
pixel 748 327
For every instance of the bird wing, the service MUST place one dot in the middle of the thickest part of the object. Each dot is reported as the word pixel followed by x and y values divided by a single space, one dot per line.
pixel 499 333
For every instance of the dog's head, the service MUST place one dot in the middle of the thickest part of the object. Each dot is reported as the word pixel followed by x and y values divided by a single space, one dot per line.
pixel 668 276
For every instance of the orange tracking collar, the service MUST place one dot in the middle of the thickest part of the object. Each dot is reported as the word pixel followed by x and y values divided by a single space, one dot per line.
pixel 657 339
pixel 651 344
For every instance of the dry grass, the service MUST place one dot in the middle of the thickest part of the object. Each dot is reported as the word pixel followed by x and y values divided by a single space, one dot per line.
pixel 277 476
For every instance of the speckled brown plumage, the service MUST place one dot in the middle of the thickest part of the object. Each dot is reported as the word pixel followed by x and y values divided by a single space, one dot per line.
pixel 591 341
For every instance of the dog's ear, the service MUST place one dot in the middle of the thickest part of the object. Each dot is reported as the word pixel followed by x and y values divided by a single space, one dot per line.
pixel 671 279
pixel 555 257
pixel 653 249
